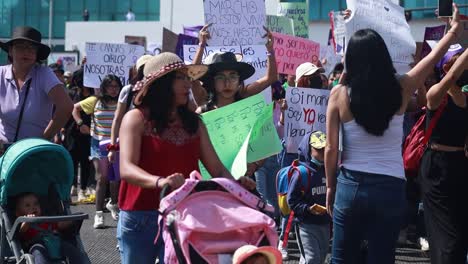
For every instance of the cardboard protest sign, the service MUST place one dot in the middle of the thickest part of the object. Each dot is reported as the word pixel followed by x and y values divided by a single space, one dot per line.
pixel 291 51
pixel 280 24
pixel 68 59
pixel 192 31
pixel 389 21
pixel 135 40
pixel 169 42
pixel 107 58
pixel 254 55
pixel 234 127
pixel 299 13
pixel 431 33
pixel 339 31
pixel 235 22
pixel 184 40
pixel 306 112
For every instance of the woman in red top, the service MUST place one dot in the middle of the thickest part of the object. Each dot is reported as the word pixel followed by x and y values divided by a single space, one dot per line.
pixel 161 142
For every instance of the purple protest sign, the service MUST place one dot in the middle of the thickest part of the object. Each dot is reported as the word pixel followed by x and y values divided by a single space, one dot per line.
pixel 431 33
pixel 192 31
pixel 184 40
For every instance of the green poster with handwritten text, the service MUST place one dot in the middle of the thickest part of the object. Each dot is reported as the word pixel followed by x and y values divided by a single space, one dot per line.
pixel 241 132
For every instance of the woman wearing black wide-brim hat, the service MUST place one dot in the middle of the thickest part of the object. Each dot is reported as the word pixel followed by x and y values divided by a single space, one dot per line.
pixel 28 91
pixel 226 74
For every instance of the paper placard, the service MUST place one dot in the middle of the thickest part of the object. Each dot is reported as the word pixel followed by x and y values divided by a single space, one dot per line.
pixel 291 51
pixel 389 21
pixel 306 112
pixel 299 13
pixel 280 24
pixel 235 23
pixel 109 58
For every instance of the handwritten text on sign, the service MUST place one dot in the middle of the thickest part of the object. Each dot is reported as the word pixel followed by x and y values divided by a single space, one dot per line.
pixel 299 13
pixel 389 21
pixel 238 22
pixel 106 58
pixel 280 24
pixel 306 112
pixel 291 51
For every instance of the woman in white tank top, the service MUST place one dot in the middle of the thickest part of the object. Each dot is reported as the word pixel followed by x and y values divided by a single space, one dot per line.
pixel 368 201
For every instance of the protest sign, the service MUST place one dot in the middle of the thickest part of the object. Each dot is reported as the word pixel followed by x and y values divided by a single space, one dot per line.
pixel 184 40
pixel 108 58
pixel 235 23
pixel 192 31
pixel 153 48
pixel 389 21
pixel 431 33
pixel 135 40
pixel 169 41
pixel 254 55
pixel 291 51
pixel 299 13
pixel 306 112
pixel 232 128
pixel 339 32
pixel 68 59
pixel 331 59
pixel 280 24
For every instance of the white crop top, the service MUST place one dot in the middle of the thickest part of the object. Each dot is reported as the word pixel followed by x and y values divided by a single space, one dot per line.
pixel 374 154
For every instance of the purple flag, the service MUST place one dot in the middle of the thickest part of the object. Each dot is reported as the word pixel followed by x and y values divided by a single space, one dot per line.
pixel 431 33
pixel 184 40
pixel 192 31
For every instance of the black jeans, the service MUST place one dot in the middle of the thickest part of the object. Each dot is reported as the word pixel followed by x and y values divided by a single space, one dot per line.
pixel 80 154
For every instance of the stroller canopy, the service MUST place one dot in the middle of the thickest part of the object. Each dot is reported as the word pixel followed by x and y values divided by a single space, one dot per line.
pixel 32 165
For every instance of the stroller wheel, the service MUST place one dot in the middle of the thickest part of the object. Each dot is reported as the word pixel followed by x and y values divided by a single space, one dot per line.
pixel 27 259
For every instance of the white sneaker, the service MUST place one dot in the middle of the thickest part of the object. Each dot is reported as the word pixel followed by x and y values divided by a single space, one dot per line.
pixel 283 250
pixel 81 195
pixel 114 210
pixel 423 243
pixel 99 220
pixel 73 191
pixel 90 191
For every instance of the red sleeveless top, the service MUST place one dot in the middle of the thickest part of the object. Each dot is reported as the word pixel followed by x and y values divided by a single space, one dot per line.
pixel 162 158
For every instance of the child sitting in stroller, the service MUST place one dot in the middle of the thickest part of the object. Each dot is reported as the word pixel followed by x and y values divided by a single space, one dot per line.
pixel 43 239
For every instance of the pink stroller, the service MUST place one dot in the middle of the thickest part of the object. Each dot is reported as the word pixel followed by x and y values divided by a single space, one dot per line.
pixel 206 221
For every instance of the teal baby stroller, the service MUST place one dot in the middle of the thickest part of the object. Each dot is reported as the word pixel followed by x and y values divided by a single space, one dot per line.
pixel 45 169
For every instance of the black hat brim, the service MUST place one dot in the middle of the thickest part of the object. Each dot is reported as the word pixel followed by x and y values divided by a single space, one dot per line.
pixel 42 53
pixel 245 70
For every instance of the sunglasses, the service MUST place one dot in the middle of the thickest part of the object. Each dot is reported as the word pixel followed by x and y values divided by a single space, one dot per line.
pixel 24 45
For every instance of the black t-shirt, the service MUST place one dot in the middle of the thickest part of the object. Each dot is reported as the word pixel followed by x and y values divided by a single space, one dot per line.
pixel 452 127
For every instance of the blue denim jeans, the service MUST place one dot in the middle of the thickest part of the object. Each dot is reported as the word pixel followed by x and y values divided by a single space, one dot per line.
pixel 136 232
pixel 313 242
pixel 367 207
pixel 265 177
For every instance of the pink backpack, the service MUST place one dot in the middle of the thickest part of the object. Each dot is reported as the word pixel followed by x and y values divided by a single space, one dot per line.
pixel 213 219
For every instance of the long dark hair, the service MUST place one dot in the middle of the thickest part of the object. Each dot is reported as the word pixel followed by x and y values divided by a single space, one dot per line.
pixel 105 98
pixel 160 100
pixel 376 94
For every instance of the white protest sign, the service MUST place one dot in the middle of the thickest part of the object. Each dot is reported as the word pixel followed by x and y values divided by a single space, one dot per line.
pixel 388 19
pixel 331 60
pixel 153 48
pixel 306 112
pixel 107 58
pixel 237 22
pixel 254 55
pixel 339 32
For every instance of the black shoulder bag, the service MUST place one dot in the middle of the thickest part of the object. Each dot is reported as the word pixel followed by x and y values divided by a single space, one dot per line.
pixel 28 84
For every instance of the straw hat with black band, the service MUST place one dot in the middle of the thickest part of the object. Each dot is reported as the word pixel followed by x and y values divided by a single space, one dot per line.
pixel 160 65
pixel 29 34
